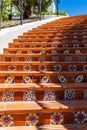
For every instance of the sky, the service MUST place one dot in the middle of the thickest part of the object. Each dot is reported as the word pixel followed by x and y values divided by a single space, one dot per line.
pixel 73 7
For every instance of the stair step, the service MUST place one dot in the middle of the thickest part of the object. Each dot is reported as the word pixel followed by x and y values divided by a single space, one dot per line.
pixel 19 107
pixel 64 127
pixel 63 106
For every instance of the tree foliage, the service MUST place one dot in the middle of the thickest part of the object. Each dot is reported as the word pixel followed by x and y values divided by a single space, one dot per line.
pixel 5 9
pixel 32 6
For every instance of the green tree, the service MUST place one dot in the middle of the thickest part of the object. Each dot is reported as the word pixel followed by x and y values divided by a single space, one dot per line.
pixel 5 9
pixel 32 6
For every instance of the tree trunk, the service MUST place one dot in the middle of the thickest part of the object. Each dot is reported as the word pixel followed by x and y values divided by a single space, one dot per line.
pixel 27 12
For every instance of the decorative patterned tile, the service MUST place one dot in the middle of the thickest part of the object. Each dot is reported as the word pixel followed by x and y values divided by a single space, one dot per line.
pixel 27 79
pixel 53 51
pixel 32 46
pixel 80 117
pixel 69 94
pixel 57 68
pixel 28 59
pixel 56 118
pixel 49 96
pixel 76 45
pixel 29 96
pixel 72 67
pixel 43 46
pixel 41 59
pixel 66 52
pixel 62 79
pixel 18 52
pixel 65 45
pixel 42 52
pixel 42 68
pixel 2 58
pixel 21 46
pixel 12 68
pixel 6 120
pixel 54 58
pixel 30 51
pixel 7 96
pixel 14 58
pixel 6 52
pixel 45 79
pixel 85 67
pixel 79 78
pixel 9 79
pixel 54 45
pixel 85 94
pixel 77 51
pixel 32 119
pixel 27 67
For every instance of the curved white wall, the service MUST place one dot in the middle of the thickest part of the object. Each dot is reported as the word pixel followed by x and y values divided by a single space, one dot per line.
pixel 7 35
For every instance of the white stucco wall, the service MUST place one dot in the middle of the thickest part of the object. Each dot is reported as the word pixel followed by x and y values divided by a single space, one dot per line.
pixel 7 35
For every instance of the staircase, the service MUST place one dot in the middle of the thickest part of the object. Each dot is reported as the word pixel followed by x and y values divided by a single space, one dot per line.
pixel 43 78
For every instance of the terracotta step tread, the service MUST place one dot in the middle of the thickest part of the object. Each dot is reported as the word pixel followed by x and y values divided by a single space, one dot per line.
pixel 20 107
pixel 49 127
pixel 63 106
pixel 30 86
pixel 39 73
pixel 47 55
pixel 19 87
pixel 41 63
pixel 44 48
pixel 20 128
pixel 65 127
pixel 41 86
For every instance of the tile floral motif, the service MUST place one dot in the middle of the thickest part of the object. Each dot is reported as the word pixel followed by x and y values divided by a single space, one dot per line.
pixel 57 68
pixel 85 67
pixel 62 79
pixel 45 79
pixel 29 96
pixel 12 68
pixel 85 94
pixel 69 94
pixel 49 96
pixel 9 79
pixel 42 68
pixel 7 96
pixel 72 67
pixel 56 118
pixel 27 68
pixel 27 79
pixel 41 59
pixel 54 58
pixel 32 119
pixel 80 117
pixel 6 120
pixel 79 78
